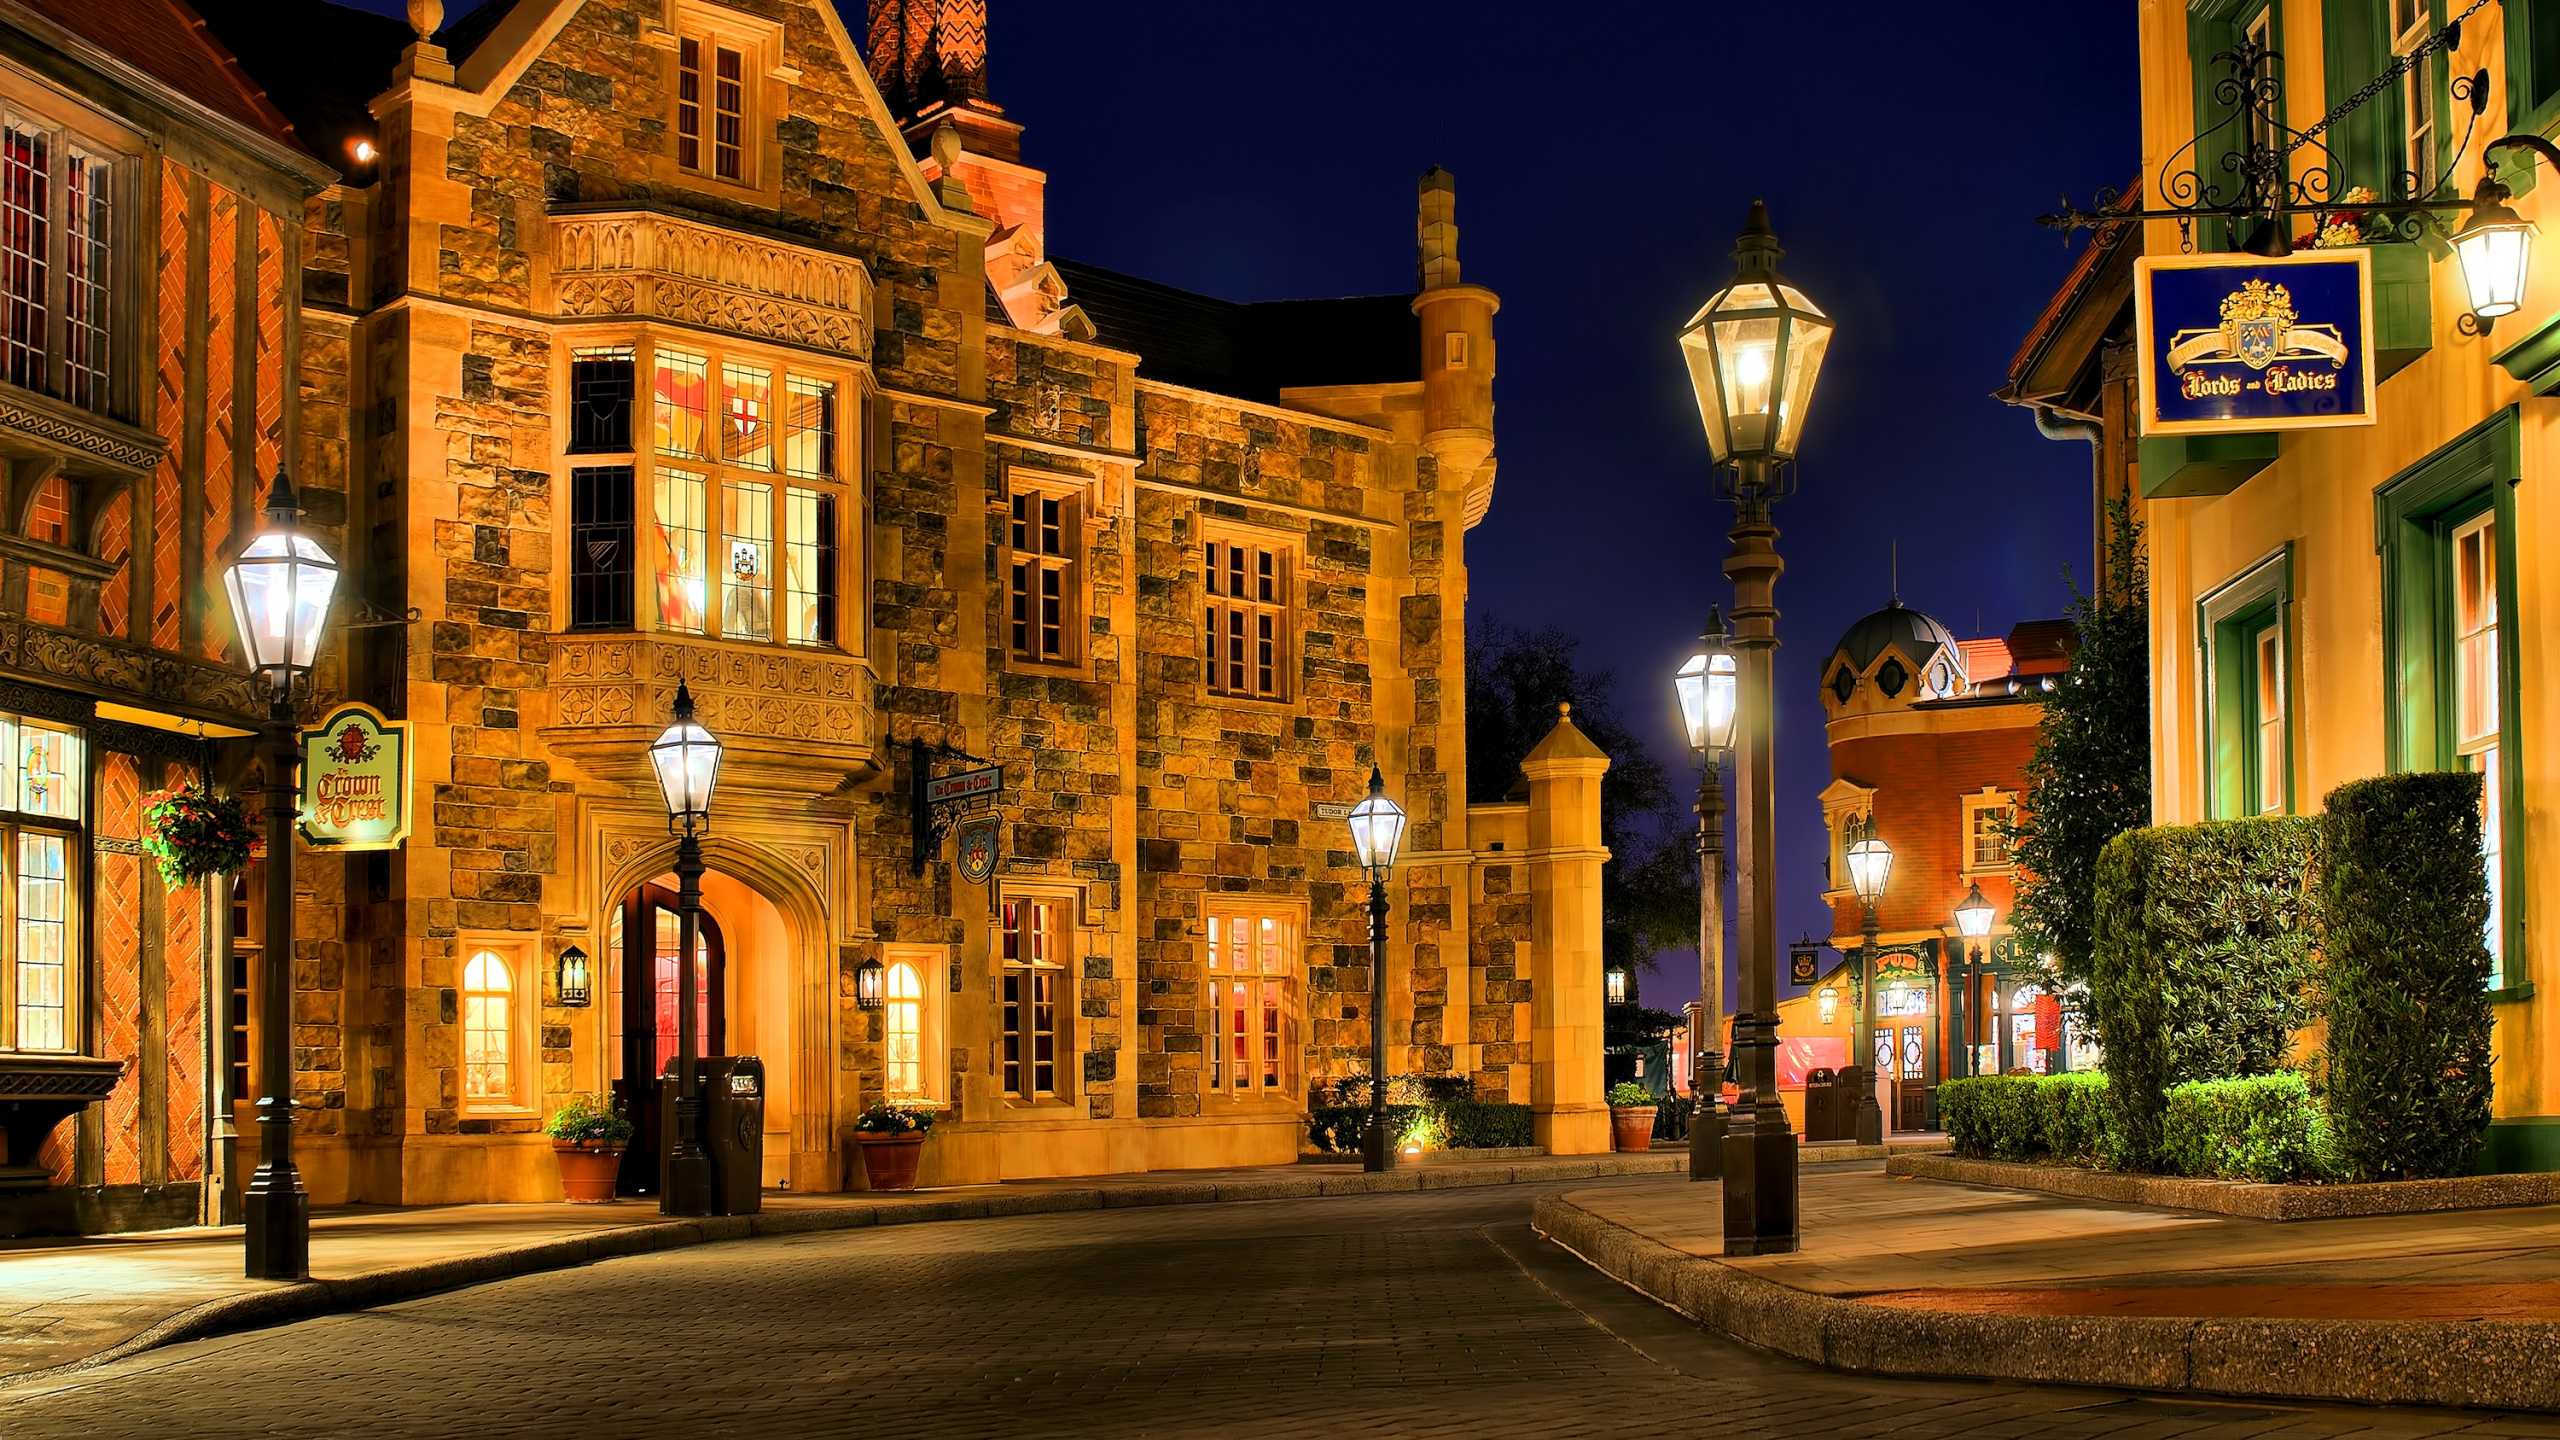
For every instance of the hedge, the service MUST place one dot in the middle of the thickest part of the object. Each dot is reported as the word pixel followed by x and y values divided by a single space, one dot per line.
pixel 2025 1117
pixel 2203 961
pixel 1445 1124
pixel 2405 903
pixel 2263 1127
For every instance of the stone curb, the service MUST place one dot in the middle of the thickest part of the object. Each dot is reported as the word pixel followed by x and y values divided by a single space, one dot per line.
pixel 2239 1198
pixel 313 1298
pixel 2494 1364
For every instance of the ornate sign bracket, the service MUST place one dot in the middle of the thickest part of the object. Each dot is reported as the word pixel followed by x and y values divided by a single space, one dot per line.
pixel 936 802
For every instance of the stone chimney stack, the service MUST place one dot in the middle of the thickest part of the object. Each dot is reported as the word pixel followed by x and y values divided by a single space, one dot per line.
pixel 1457 351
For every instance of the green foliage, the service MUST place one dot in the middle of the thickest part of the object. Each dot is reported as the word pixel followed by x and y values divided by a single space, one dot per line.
pixel 1450 1124
pixel 193 832
pixel 1515 680
pixel 897 1119
pixel 587 1120
pixel 1628 1092
pixel 2203 961
pixel 2405 904
pixel 2026 1117
pixel 1353 1089
pixel 2265 1128
pixel 2089 777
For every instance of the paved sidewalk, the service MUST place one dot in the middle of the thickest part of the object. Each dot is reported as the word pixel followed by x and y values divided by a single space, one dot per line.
pixel 74 1302
pixel 1902 1274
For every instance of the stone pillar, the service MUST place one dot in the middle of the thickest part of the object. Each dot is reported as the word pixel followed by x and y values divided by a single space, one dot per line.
pixel 1563 862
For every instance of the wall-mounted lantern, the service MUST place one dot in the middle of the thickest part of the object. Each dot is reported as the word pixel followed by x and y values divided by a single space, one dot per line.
pixel 867 980
pixel 1830 1001
pixel 1614 984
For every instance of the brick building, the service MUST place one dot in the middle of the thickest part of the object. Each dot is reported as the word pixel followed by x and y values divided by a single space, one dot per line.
pixel 1929 740
pixel 646 342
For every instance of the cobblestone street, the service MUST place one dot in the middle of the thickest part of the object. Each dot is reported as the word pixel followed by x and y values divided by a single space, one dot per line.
pixel 1411 1314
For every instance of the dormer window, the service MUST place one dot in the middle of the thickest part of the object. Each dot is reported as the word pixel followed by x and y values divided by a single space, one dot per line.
pixel 1892 677
pixel 1844 684
pixel 711 108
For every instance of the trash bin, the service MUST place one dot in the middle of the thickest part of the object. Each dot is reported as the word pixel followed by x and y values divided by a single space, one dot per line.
pixel 732 1129
pixel 1821 1107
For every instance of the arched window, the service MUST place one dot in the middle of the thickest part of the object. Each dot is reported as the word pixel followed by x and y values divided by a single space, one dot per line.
pixel 488 1031
pixel 906 1032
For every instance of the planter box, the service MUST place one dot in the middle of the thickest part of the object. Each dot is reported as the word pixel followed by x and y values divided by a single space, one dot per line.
pixel 889 1162
pixel 2239 1197
pixel 587 1172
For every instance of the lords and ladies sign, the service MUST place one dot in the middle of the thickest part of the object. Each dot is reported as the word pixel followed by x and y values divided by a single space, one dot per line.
pixel 355 781
pixel 2235 343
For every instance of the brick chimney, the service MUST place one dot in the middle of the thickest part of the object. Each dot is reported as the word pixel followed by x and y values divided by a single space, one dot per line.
pixel 930 57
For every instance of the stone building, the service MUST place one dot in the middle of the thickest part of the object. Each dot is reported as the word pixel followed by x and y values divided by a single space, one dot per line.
pixel 1929 741
pixel 662 342
pixel 150 226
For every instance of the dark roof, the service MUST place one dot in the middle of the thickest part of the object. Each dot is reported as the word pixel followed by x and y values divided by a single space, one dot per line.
pixel 165 40
pixel 2042 646
pixel 461 38
pixel 1251 352
pixel 1915 633
pixel 319 63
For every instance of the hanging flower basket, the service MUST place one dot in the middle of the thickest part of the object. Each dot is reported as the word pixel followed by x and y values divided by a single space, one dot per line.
pixel 193 832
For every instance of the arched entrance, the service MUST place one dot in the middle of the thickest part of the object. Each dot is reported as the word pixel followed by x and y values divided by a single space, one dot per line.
pixel 643 939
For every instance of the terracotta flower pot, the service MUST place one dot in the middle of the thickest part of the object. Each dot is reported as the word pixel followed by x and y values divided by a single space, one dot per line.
pixel 587 1171
pixel 889 1161
pixel 1631 1126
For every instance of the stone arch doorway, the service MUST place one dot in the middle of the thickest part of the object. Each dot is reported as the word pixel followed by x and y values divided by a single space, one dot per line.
pixel 643 942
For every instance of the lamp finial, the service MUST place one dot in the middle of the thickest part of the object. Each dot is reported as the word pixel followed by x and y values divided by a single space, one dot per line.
pixel 684 703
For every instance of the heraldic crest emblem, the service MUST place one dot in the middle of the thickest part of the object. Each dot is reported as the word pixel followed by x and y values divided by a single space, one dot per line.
pixel 2258 328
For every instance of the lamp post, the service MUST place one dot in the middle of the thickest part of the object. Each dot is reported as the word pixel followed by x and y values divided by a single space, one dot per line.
pixel 280 590
pixel 1973 921
pixel 687 759
pixel 1870 865
pixel 1709 687
pixel 1754 350
pixel 1377 828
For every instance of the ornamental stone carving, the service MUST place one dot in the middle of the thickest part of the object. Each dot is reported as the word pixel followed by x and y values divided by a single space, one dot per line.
pixel 805 715
pixel 121 670
pixel 646 266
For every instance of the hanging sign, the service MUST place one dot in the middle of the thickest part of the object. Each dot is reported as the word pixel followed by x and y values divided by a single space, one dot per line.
pixel 978 845
pixel 2048 1022
pixel 355 781
pixel 967 785
pixel 2243 343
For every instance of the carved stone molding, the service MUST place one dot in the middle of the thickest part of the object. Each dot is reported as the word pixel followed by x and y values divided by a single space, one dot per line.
pixel 125 671
pixel 70 432
pixel 658 267
pixel 789 713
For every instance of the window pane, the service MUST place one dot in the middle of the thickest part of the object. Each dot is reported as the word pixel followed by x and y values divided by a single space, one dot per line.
pixel 9 761
pixel 1013 982
pixel 809 429
pixel 809 567
pixel 600 548
pixel 600 386
pixel 905 1031
pixel 684 404
pixel 26 204
pixel 689 104
pixel 682 539
pixel 746 431
pixel 2269 662
pixel 48 771
pixel 43 928
pixel 729 106
pixel 86 213
pixel 746 584
pixel 487 1049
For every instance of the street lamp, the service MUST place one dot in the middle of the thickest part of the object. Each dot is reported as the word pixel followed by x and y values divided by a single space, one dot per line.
pixel 1709 687
pixel 687 760
pixel 1973 921
pixel 1870 865
pixel 1377 827
pixel 280 590
pixel 1754 351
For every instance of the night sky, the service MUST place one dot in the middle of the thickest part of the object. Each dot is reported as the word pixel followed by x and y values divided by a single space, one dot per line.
pixel 1606 156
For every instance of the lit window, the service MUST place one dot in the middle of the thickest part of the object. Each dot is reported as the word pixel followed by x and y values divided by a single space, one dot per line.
pixel 1245 619
pixel 41 847
pixel 1041 593
pixel 1251 1036
pixel 26 247
pixel 488 1031
pixel 809 567
pixel 746 581
pixel 905 1031
pixel 2475 695
pixel 56 227
pixel 683 578
pixel 2268 718
pixel 746 430
pixel 683 404
pixel 1988 814
pixel 1033 971
pixel 809 428
pixel 726 83
pixel 2410 24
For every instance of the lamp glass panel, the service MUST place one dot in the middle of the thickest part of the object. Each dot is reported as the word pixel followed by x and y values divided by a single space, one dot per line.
pixel 1747 373
pixel 687 760
pixel 1691 685
pixel 1699 351
pixel 2494 261
pixel 1870 862
pixel 1974 916
pixel 1807 343
pixel 280 589
pixel 1377 828
pixel 1724 701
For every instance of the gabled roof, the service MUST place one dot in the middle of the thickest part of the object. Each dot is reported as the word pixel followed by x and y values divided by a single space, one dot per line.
pixel 167 41
pixel 2057 362
pixel 1251 352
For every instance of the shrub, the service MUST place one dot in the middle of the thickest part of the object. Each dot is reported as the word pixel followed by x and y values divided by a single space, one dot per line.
pixel 2262 1127
pixel 1454 1124
pixel 2404 905
pixel 1628 1092
pixel 912 1118
pixel 2072 1114
pixel 2022 1117
pixel 2203 961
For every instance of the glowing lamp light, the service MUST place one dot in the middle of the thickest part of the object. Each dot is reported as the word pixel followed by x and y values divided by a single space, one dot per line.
pixel 576 987
pixel 1754 352
pixel 1613 983
pixel 363 151
pixel 2495 248
pixel 1974 914
pixel 868 978
pixel 1377 828
pixel 280 590
pixel 1710 689
pixel 687 759
pixel 1870 864
pixel 1829 1000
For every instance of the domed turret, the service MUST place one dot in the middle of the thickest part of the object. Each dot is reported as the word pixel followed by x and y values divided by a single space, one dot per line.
pixel 1896 656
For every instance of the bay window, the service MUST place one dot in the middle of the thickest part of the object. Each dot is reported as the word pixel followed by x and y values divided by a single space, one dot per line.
pixel 722 516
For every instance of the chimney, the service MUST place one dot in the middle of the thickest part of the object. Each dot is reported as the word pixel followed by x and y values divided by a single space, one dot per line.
pixel 930 58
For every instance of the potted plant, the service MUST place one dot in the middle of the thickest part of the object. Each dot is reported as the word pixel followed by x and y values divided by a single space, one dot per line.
pixel 588 1137
pixel 892 1142
pixel 1631 1110
pixel 193 832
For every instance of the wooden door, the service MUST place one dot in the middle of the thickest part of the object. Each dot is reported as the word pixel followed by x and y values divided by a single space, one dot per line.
pixel 651 939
